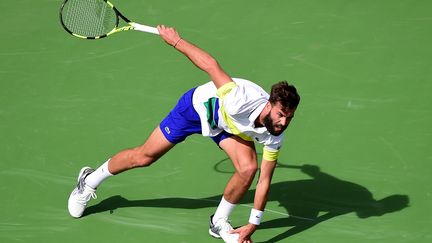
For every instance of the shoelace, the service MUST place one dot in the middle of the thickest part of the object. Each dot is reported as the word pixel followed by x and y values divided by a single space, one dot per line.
pixel 224 224
pixel 86 195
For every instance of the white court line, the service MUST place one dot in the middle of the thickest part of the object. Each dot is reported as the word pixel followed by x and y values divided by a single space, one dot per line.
pixel 249 206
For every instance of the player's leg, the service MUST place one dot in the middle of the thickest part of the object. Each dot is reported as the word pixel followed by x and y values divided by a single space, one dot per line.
pixel 181 122
pixel 88 179
pixel 243 155
pixel 154 147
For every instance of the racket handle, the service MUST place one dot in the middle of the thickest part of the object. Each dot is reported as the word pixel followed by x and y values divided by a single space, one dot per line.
pixel 145 28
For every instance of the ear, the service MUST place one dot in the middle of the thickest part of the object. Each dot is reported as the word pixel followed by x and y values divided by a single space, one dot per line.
pixel 267 107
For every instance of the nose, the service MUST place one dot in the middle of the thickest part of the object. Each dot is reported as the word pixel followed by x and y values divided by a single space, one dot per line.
pixel 283 121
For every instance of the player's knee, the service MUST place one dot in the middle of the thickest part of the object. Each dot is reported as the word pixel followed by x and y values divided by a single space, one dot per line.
pixel 248 171
pixel 142 159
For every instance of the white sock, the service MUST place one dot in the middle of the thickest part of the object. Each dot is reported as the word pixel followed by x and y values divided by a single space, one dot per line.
pixel 223 210
pixel 98 176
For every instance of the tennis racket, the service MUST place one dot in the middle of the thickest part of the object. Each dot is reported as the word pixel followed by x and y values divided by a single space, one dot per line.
pixel 95 19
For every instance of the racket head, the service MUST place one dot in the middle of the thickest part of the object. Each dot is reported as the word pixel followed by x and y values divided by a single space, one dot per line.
pixel 89 19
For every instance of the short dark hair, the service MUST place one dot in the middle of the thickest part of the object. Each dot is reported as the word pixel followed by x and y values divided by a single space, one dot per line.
pixel 286 94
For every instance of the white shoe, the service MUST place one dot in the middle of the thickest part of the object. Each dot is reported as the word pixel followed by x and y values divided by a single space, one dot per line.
pixel 221 229
pixel 229 238
pixel 81 194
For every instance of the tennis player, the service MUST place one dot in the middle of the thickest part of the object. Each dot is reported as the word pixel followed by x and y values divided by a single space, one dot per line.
pixel 235 113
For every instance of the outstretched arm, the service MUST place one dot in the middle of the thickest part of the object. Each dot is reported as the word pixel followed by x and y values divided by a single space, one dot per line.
pixel 199 57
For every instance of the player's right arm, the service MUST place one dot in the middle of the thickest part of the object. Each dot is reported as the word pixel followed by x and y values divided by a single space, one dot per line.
pixel 199 57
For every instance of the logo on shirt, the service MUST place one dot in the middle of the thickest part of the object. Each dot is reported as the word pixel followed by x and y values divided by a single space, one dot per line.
pixel 167 130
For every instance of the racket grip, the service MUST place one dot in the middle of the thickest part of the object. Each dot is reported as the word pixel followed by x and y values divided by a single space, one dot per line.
pixel 145 28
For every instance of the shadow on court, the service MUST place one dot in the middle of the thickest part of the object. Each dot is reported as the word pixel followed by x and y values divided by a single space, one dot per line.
pixel 308 202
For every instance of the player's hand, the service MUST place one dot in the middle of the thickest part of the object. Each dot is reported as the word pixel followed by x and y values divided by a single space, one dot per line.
pixel 169 35
pixel 245 233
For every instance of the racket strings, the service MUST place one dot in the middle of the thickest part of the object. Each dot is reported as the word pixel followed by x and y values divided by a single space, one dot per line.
pixel 90 18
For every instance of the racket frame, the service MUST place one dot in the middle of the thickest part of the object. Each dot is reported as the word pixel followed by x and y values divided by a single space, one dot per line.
pixel 131 25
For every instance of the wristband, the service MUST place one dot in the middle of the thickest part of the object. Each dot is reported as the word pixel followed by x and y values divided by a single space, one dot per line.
pixel 255 216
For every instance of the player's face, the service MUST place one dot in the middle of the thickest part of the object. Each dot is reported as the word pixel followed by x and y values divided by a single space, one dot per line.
pixel 278 119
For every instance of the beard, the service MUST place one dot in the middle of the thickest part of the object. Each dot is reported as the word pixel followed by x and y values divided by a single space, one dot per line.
pixel 268 123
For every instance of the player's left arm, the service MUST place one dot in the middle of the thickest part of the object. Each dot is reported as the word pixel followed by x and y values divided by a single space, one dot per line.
pixel 260 200
pixel 264 182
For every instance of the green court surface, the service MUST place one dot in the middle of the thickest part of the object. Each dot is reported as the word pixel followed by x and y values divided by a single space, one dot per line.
pixel 355 166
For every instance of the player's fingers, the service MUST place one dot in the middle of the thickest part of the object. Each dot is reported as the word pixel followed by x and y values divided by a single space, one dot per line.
pixel 171 29
pixel 166 29
pixel 160 28
pixel 243 239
